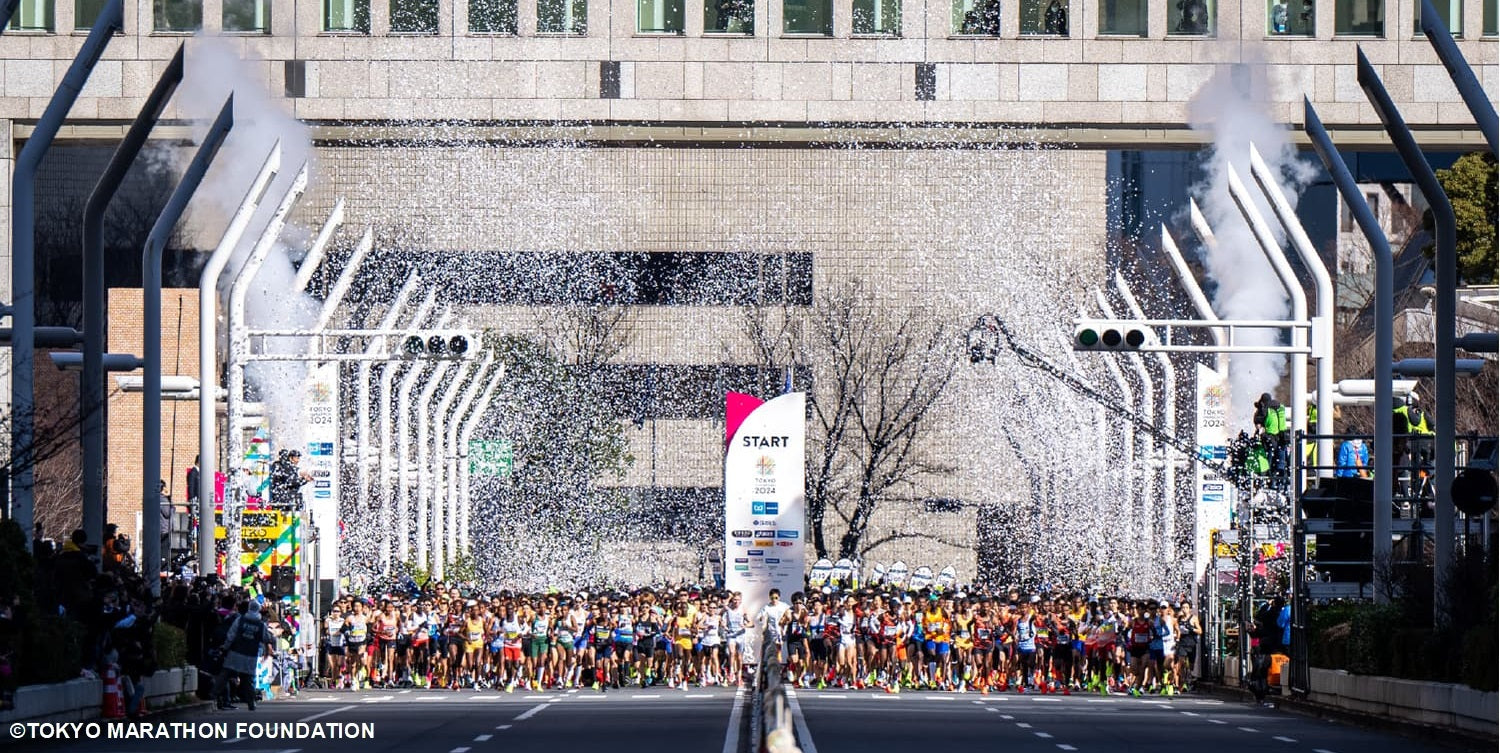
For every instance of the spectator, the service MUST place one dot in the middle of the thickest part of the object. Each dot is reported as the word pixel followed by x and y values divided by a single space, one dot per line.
pixel 74 574
pixel 133 646
pixel 287 481
pixel 1055 20
pixel 1354 458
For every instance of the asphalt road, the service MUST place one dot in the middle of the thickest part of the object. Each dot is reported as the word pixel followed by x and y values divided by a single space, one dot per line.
pixel 624 721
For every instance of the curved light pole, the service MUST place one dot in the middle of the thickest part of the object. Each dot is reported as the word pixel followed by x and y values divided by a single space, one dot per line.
pixel 471 425
pixel 362 414
pixel 470 374
pixel 1146 453
pixel 1195 294
pixel 156 244
pixel 1297 409
pixel 387 407
pixel 319 248
pixel 403 407
pixel 455 453
pixel 1169 424
pixel 425 504
pixel 1322 324
pixel 239 348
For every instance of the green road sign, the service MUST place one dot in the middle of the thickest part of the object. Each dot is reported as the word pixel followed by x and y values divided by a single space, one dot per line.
pixel 490 457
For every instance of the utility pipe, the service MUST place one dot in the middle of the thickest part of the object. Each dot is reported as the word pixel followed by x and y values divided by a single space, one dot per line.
pixel 403 408
pixel 156 244
pixel 469 373
pixel 1463 76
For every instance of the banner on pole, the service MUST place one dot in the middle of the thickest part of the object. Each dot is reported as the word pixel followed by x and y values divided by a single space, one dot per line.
pixel 1215 495
pixel 764 497
pixel 320 433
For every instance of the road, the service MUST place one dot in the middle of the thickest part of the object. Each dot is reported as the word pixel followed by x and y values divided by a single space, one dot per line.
pixel 419 721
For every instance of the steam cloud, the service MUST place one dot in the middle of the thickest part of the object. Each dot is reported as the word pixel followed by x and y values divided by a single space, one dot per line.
pixel 1231 106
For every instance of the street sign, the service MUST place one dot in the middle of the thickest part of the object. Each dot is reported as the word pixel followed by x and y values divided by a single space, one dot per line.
pixel 490 457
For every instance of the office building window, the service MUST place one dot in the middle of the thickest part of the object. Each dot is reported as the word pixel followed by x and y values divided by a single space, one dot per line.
pixel 807 17
pixel 1190 18
pixel 86 12
pixel 248 16
pixel 977 17
pixel 1359 18
pixel 1491 24
pixel 882 17
pixel 1044 17
pixel 1289 18
pixel 492 16
pixel 659 16
pixel 562 17
pixel 32 15
pixel 729 17
pixel 177 15
pixel 1122 18
pixel 346 15
pixel 414 16
pixel 1451 11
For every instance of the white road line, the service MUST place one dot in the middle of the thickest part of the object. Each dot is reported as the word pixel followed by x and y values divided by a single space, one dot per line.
pixel 404 692
pixel 538 697
pixel 329 712
pixel 1209 703
pixel 459 750
pixel 940 698
pixel 699 695
pixel 232 741
pixel 1102 700
pixel 645 695
pixel 1046 700
pixel 1217 721
pixel 732 732
pixel 290 750
pixel 992 708
pixel 1044 735
pixel 1284 739
pixel 486 697
pixel 839 696
pixel 1023 725
pixel 1321 750
pixel 1007 717
pixel 528 713
pixel 804 737
pixel 1191 713
pixel 503 726
pixel 1065 746
pixel 482 738
pixel 1248 729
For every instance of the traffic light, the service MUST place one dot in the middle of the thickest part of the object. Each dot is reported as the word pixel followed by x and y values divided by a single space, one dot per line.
pixel 1109 334
pixel 441 344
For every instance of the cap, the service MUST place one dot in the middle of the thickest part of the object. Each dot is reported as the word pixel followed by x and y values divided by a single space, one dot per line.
pixel 1035 599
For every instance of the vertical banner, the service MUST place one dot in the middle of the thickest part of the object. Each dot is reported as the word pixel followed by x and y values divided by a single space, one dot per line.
pixel 764 497
pixel 320 433
pixel 1214 497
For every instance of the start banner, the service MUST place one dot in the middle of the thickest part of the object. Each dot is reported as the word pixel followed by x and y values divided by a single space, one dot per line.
pixel 764 498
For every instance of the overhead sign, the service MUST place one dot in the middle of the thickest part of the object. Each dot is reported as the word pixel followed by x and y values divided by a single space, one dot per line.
pixel 764 492
pixel 490 457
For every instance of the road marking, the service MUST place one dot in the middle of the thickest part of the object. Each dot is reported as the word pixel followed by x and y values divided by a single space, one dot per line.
pixel 804 737
pixel 482 738
pixel 1191 713
pixel 977 702
pixel 528 713
pixel 1007 717
pixel 939 698
pixel 538 697
pixel 693 695
pixel 645 695
pixel 1046 700
pixel 839 696
pixel 1023 725
pixel 1065 746
pixel 459 750
pixel 1284 739
pixel 322 714
pixel 1044 735
pixel 1102 700
pixel 404 692
pixel 1321 750
pixel 1248 729
pixel 1217 721
pixel 486 697
pixel 503 726
pixel 992 708
pixel 732 732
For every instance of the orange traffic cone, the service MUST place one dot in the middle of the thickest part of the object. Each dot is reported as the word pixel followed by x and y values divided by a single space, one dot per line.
pixel 114 701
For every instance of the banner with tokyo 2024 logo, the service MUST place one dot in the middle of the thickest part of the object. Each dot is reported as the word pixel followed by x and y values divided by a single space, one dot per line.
pixel 764 497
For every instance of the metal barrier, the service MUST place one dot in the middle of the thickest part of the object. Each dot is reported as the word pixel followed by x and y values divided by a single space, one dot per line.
pixel 774 727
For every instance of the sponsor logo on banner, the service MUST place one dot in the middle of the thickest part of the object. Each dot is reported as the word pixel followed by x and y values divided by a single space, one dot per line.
pixel 772 561
pixel 763 522
pixel 1213 487
pixel 787 534
pixel 759 507
pixel 743 533
pixel 742 542
pixel 742 568
pixel 741 560
pixel 765 467
pixel 764 484
pixel 765 542
pixel 1213 498
pixel 765 534
pixel 784 542
pixel 756 553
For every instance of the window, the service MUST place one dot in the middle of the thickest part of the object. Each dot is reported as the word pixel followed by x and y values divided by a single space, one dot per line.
pixel 1490 23
pixel 1044 17
pixel 877 17
pixel 1359 18
pixel 981 17
pixel 1126 18
pixel 32 15
pixel 492 16
pixel 562 17
pixel 729 16
pixel 1190 18
pixel 1289 18
pixel 178 15
pixel 86 12
pixel 658 16
pixel 247 16
pixel 414 16
pixel 807 17
pixel 346 15
pixel 1451 11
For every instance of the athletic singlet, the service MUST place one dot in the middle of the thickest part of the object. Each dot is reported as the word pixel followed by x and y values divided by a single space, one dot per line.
pixel 710 635
pixel 684 630
pixel 935 626
pixel 602 634
pixel 645 630
pixel 624 629
pixel 1025 635
pixel 888 630
pixel 1163 638
pixel 335 632
pixel 831 628
pixel 385 628
pixel 564 632
pixel 816 624
pixel 510 629
pixel 734 623
pixel 1140 632
pixel 539 628
pixel 357 629
pixel 846 628
pixel 474 631
pixel 794 629
pixel 983 638
pixel 963 636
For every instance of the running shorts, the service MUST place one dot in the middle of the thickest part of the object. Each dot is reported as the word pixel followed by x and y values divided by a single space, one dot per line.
pixel 535 649
pixel 1139 650
pixel 936 648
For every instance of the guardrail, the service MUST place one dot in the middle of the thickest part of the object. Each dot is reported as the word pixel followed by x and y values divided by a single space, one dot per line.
pixel 772 715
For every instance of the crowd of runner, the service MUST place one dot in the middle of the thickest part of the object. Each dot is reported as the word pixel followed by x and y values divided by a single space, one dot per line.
pixel 887 639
